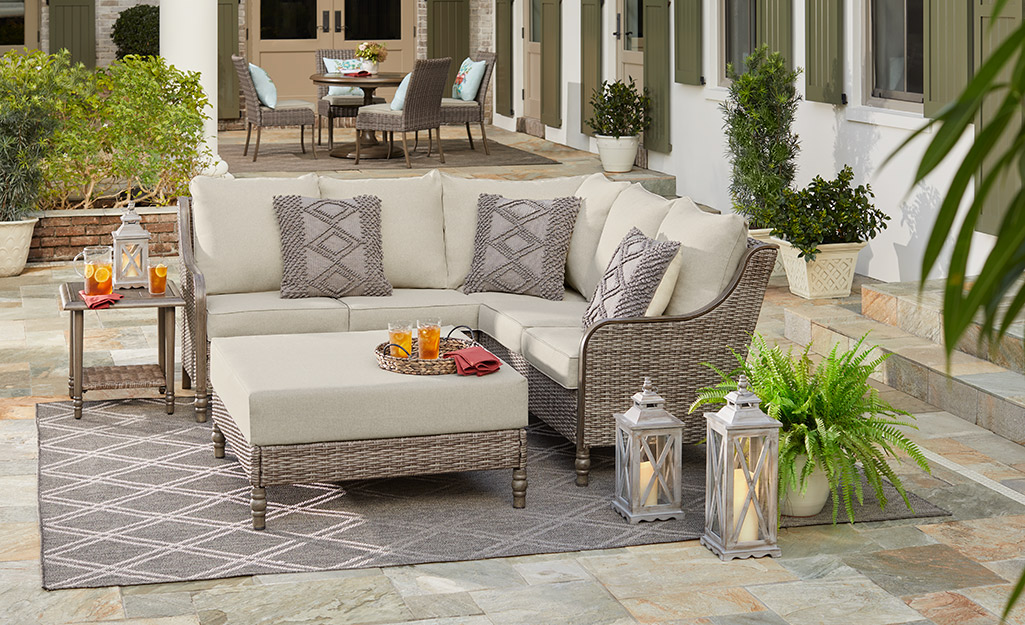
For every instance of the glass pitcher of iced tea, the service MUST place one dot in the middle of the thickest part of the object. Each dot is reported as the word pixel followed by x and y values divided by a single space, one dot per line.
pixel 98 264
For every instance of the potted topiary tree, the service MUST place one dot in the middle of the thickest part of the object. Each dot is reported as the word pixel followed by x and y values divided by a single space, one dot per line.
pixel 821 229
pixel 137 31
pixel 620 116
pixel 833 423
pixel 758 116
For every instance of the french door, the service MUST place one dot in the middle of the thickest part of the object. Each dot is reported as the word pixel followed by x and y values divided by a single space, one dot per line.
pixel 284 34
pixel 630 41
pixel 19 24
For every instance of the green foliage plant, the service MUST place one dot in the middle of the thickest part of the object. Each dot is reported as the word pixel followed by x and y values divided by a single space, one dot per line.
pixel 831 414
pixel 758 117
pixel 828 211
pixel 619 110
pixel 137 31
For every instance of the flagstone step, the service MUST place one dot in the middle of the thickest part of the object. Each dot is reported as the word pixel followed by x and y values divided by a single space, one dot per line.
pixel 977 390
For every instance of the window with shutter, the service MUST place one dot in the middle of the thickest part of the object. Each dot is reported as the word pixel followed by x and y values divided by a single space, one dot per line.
pixel 947 62
pixel 590 58
pixel 657 79
pixel 503 57
pixel 689 70
pixel 775 20
pixel 551 62
pixel 739 33
pixel 897 49
pixel 823 71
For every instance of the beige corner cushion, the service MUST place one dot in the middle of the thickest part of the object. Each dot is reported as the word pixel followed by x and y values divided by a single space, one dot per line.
pixel 412 226
pixel 597 193
pixel 711 247
pixel 555 352
pixel 635 207
pixel 238 246
pixel 460 195
pixel 505 316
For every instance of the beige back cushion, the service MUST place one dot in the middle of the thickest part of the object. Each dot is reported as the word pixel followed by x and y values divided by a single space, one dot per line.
pixel 238 244
pixel 412 226
pixel 460 202
pixel 597 193
pixel 711 249
pixel 635 207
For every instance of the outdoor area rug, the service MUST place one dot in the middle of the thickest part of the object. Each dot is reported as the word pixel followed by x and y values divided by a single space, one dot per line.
pixel 286 156
pixel 130 495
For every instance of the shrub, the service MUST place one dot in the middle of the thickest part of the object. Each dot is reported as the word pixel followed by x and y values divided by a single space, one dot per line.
pixel 758 115
pixel 137 31
pixel 828 211
pixel 619 110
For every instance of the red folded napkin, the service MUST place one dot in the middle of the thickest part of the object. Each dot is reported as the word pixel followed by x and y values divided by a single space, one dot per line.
pixel 474 361
pixel 360 74
pixel 99 301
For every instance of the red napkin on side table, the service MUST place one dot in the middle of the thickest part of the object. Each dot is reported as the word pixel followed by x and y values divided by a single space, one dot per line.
pixel 99 301
pixel 474 361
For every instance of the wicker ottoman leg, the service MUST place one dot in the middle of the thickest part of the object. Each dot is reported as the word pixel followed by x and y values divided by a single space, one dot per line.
pixel 519 487
pixel 218 438
pixel 583 465
pixel 258 503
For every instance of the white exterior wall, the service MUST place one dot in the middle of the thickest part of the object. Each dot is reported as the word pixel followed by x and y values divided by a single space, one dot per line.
pixel 858 134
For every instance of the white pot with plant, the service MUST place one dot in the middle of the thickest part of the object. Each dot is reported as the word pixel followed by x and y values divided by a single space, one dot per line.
pixel 620 116
pixel 836 432
pixel 371 53
pixel 820 231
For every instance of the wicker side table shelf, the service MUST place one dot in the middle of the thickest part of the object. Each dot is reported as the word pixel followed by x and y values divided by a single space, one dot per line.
pixel 160 375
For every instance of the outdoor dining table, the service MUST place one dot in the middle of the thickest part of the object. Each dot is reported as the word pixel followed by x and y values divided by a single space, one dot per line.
pixel 370 147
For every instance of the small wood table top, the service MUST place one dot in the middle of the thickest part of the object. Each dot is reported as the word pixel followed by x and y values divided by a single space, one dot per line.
pixel 381 79
pixel 133 298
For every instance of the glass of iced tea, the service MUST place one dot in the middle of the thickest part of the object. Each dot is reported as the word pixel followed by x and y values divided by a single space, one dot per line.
pixel 97 269
pixel 157 279
pixel 400 333
pixel 428 336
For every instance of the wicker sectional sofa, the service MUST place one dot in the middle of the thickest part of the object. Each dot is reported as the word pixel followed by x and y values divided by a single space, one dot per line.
pixel 232 267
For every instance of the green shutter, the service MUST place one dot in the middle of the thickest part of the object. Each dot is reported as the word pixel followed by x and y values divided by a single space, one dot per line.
pixel 590 58
pixel 688 42
pixel 989 32
pixel 73 27
pixel 504 57
pixel 551 63
pixel 824 51
pixel 775 26
pixel 947 57
pixel 227 45
pixel 657 79
pixel 448 33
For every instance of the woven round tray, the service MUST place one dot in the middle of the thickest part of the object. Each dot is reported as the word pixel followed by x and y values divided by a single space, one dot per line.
pixel 416 366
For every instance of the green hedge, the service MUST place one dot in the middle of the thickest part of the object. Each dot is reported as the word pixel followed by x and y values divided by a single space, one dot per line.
pixel 137 31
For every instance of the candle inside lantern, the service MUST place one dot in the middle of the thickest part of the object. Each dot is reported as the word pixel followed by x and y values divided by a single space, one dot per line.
pixel 647 473
pixel 749 530
pixel 130 264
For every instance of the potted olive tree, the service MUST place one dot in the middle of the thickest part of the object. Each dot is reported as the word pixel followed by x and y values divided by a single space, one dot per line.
pixel 833 423
pixel 620 116
pixel 821 229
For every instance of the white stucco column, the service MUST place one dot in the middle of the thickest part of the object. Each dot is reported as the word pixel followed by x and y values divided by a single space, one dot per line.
pixel 188 40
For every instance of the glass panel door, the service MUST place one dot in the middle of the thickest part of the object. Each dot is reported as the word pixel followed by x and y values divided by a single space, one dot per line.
pixel 373 20
pixel 288 19
pixel 19 24
pixel 630 41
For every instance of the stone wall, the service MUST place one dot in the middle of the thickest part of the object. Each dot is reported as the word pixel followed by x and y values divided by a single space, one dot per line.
pixel 61 235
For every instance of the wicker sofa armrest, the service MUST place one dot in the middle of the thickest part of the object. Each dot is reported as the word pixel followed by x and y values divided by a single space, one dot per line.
pixel 193 285
pixel 674 351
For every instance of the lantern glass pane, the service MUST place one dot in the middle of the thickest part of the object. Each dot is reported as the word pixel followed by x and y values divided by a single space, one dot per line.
pixel 131 260
pixel 656 461
pixel 748 463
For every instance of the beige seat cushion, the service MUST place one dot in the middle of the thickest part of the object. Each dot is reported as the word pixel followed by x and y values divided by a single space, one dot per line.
pixel 597 194
pixel 349 100
pixel 711 249
pixel 412 225
pixel 460 203
pixel 504 316
pixel 374 313
pixel 379 109
pixel 306 388
pixel 264 312
pixel 295 104
pixel 635 207
pixel 238 245
pixel 554 352
pixel 457 103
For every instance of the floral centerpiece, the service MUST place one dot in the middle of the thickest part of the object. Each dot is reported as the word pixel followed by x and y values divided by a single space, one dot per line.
pixel 371 54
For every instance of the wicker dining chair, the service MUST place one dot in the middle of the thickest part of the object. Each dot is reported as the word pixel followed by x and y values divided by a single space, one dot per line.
pixel 333 107
pixel 421 110
pixel 287 113
pixel 456 112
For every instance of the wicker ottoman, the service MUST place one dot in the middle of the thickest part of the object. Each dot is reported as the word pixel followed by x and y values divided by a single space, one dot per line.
pixel 307 408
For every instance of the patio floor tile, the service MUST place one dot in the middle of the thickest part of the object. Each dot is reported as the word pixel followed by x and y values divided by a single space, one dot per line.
pixel 921 570
pixel 568 603
pixel 834 602
pixel 983 539
pixel 950 608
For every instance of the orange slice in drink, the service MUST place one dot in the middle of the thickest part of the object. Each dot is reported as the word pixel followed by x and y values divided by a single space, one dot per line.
pixel 160 270
pixel 89 270
pixel 102 274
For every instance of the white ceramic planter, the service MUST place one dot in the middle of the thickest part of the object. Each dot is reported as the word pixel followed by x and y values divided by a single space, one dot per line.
pixel 763 235
pixel 368 66
pixel 15 239
pixel 831 274
pixel 816 492
pixel 617 153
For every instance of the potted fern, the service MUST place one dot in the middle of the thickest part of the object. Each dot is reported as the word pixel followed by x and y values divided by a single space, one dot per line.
pixel 833 423
pixel 620 116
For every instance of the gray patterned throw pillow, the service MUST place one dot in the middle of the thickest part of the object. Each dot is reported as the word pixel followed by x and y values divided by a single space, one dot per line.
pixel 521 246
pixel 631 278
pixel 331 248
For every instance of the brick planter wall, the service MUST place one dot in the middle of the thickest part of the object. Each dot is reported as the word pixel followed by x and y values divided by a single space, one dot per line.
pixel 61 235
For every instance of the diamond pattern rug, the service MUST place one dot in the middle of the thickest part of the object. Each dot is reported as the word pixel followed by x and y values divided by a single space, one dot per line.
pixel 130 495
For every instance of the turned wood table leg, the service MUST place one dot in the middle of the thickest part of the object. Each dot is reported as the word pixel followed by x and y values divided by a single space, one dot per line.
pixel 258 503
pixel 519 487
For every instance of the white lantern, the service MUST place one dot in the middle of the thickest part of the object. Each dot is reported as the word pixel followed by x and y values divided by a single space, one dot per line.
pixel 648 460
pixel 131 251
pixel 741 478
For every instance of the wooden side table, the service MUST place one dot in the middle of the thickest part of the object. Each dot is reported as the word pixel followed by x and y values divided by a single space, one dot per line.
pixel 161 375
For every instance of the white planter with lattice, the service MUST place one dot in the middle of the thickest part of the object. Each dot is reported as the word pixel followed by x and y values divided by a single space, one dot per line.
pixel 764 235
pixel 15 238
pixel 831 274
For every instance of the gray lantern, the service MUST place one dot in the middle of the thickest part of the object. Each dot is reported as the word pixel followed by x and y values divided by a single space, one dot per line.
pixel 648 460
pixel 131 251
pixel 741 478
